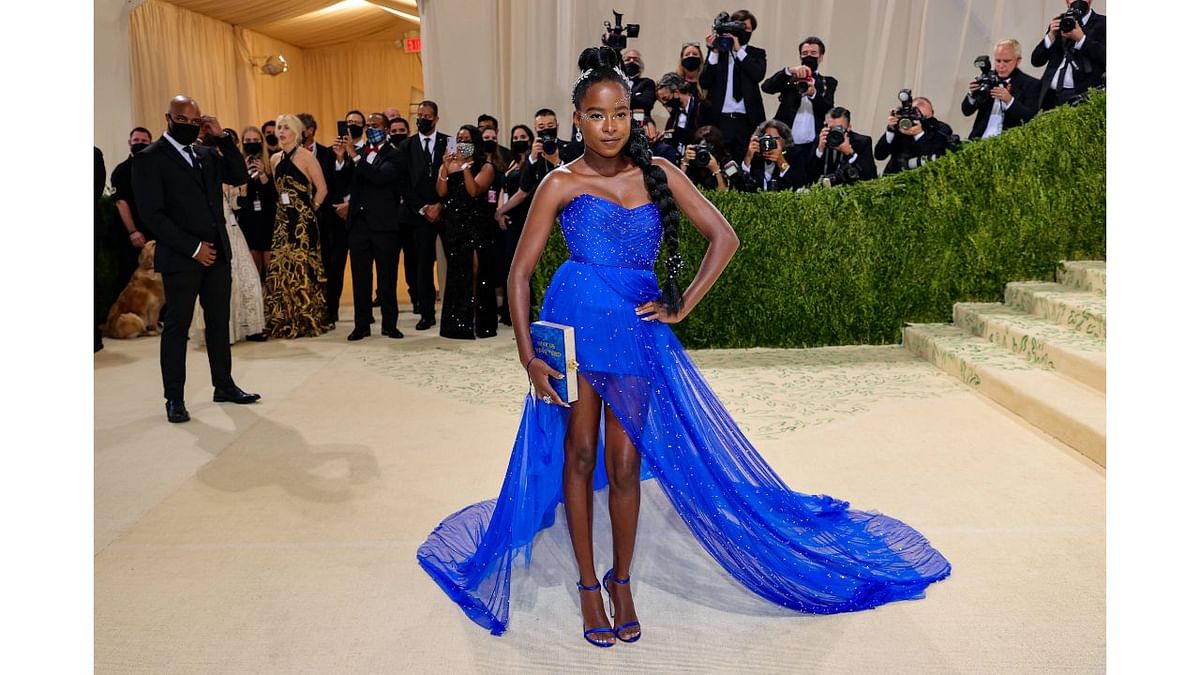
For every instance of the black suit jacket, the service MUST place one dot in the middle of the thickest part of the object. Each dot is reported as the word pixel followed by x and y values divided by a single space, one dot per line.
pixel 1025 90
pixel 789 97
pixel 751 70
pixel 418 179
pixel 864 162
pixel 375 192
pixel 183 205
pixel 699 114
pixel 753 181
pixel 645 94
pixel 1089 60
pixel 334 184
pixel 902 148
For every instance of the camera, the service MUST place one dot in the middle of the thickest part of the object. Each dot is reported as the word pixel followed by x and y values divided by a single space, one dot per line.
pixel 549 141
pixel 810 62
pixel 618 36
pixel 1069 20
pixel 835 137
pixel 767 143
pixel 844 174
pixel 987 80
pixel 466 150
pixel 703 154
pixel 907 114
pixel 724 27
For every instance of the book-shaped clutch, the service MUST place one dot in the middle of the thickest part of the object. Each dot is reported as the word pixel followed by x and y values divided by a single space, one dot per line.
pixel 554 343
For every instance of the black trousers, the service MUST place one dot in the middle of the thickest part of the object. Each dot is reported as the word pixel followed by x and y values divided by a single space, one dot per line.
pixel 212 285
pixel 334 248
pixel 425 236
pixel 408 247
pixel 381 250
pixel 736 130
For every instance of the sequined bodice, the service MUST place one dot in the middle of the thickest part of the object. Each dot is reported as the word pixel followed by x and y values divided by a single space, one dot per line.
pixel 600 232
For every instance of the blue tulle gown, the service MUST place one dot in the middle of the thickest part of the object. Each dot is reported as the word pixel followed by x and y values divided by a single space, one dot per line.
pixel 810 553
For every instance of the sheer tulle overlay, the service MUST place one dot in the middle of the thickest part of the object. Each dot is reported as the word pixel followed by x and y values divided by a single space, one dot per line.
pixel 810 553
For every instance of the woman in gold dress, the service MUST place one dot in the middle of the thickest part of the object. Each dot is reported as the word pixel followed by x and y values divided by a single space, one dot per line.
pixel 295 289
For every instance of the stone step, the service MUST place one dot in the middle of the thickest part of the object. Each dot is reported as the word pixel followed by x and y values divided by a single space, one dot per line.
pixel 1077 355
pixel 1082 311
pixel 1071 412
pixel 1084 275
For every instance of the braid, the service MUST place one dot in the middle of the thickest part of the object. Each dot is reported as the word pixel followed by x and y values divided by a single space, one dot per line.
pixel 638 150
pixel 600 64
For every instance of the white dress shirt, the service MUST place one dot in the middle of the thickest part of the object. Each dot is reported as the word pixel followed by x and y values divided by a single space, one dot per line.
pixel 187 158
pixel 730 106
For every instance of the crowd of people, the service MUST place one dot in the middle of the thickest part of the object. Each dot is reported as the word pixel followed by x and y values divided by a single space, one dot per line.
pixel 380 193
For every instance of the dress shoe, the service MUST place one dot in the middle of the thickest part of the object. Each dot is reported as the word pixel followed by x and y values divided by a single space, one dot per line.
pixel 257 337
pixel 393 333
pixel 426 324
pixel 233 394
pixel 358 334
pixel 176 411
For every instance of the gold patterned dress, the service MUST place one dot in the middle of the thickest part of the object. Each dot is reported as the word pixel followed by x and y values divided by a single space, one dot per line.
pixel 295 289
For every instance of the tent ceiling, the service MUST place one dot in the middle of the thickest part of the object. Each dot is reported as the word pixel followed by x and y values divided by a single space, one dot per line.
pixel 311 24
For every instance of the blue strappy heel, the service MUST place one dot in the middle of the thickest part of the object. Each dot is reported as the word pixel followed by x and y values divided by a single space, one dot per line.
pixel 609 576
pixel 587 632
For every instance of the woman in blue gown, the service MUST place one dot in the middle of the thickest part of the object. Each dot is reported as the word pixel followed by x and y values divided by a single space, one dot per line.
pixel 644 411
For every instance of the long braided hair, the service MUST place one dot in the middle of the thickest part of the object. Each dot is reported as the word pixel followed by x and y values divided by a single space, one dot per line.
pixel 600 64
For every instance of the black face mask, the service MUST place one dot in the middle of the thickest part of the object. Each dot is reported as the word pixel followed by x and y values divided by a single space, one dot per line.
pixel 184 134
pixel 691 63
pixel 489 146
pixel 520 147
pixel 810 61
pixel 252 149
pixel 425 126
pixel 631 69
pixel 138 147
pixel 397 139
pixel 674 103
pixel 272 140
pixel 356 131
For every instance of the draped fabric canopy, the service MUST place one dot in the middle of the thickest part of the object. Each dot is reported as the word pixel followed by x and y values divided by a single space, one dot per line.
pixel 336 58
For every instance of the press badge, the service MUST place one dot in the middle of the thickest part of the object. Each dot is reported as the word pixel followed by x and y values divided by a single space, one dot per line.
pixel 285 198
pixel 258 205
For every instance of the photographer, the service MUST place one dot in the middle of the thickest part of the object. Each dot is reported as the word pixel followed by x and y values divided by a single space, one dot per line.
pixel 546 154
pixel 658 147
pixel 913 137
pixel 1002 98
pixel 732 76
pixel 805 96
pixel 643 87
pixel 765 166
pixel 705 161
pixel 688 112
pixel 1074 58
pixel 841 156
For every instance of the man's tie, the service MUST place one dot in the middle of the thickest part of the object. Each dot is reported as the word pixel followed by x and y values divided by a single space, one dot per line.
pixel 737 80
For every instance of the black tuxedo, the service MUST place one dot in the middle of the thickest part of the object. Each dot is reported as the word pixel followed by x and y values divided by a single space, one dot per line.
pixel 753 180
pixel 790 98
pixel 699 113
pixel 373 226
pixel 418 188
pixel 902 151
pixel 183 205
pixel 331 228
pixel 1089 61
pixel 1025 104
pixel 644 96
pixel 750 71
pixel 816 167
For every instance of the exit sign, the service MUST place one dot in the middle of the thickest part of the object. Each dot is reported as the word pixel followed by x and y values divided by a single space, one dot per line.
pixel 412 45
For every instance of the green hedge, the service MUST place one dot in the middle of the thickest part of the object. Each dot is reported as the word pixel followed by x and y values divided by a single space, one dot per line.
pixel 851 265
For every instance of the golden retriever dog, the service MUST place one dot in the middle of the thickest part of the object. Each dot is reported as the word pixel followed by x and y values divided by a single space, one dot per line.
pixel 135 313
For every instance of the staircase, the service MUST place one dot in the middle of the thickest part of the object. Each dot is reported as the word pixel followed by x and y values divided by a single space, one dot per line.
pixel 1040 353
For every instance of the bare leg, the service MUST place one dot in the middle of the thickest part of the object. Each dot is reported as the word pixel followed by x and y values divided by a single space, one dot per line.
pixel 579 464
pixel 623 463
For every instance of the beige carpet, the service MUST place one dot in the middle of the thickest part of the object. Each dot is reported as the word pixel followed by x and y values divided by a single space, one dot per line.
pixel 281 537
